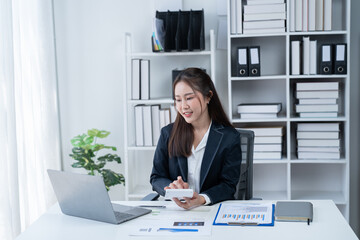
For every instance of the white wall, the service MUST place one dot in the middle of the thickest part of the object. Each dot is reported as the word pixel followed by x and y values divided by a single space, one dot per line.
pixel 90 51
pixel 90 45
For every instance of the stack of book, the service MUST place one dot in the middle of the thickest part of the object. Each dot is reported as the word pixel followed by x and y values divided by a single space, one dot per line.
pixel 318 141
pixel 140 79
pixel 259 110
pixel 313 15
pixel 317 99
pixel 264 16
pixel 149 119
pixel 267 143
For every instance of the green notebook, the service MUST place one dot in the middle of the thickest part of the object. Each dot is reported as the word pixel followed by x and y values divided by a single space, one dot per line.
pixel 294 211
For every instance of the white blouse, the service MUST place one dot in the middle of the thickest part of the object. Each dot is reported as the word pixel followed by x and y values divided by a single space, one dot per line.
pixel 194 165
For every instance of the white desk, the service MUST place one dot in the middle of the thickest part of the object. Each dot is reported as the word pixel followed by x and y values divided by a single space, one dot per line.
pixel 328 223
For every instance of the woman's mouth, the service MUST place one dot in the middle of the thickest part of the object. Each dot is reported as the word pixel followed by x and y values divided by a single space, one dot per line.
pixel 187 114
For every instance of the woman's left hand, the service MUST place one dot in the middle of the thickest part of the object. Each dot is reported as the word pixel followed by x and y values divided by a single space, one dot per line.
pixel 189 203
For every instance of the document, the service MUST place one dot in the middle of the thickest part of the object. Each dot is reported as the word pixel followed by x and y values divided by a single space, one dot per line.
pixel 183 227
pixel 261 214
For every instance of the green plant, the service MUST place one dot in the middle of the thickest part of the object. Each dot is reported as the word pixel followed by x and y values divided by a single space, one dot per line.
pixel 84 153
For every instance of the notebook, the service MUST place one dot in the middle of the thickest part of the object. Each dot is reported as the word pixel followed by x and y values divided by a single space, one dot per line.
pixel 85 196
pixel 294 211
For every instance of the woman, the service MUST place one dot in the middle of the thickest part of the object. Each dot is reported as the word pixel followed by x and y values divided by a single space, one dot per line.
pixel 201 149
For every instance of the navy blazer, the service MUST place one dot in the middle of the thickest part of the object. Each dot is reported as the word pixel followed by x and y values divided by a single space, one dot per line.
pixel 220 169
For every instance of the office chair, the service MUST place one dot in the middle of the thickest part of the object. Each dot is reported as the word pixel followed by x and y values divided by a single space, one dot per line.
pixel 244 188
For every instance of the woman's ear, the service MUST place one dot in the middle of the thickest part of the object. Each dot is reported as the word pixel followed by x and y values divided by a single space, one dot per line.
pixel 210 94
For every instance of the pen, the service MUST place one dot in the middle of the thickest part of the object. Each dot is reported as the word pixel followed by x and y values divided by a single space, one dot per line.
pixel 243 223
pixel 153 206
pixel 177 230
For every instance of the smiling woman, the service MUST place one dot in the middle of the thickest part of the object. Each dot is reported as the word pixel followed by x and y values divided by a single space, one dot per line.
pixel 201 149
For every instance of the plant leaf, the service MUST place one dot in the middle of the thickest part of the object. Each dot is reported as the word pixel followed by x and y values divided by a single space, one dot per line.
pixel 78 140
pixel 98 133
pixel 109 158
pixel 77 165
pixel 112 178
pixel 111 147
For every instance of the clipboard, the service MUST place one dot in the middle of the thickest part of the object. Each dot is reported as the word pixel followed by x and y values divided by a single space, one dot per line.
pixel 243 223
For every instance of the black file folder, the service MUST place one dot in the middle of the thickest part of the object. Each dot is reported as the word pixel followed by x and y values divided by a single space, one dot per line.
pixel 242 62
pixel 184 30
pixel 340 63
pixel 183 24
pixel 254 61
pixel 196 37
pixel 326 59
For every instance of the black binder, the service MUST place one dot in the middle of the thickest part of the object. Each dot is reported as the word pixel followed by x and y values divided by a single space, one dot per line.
pixel 184 30
pixel 340 63
pixel 325 64
pixel 254 61
pixel 242 62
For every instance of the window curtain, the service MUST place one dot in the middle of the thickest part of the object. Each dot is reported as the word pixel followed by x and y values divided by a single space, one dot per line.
pixel 29 116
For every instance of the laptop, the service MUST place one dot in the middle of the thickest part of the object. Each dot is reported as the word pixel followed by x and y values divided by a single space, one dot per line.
pixel 85 196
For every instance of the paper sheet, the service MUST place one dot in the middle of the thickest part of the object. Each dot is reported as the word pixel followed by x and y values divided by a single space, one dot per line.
pixel 185 227
pixel 236 213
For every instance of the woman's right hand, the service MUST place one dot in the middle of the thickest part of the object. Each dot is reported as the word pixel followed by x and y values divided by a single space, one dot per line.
pixel 177 184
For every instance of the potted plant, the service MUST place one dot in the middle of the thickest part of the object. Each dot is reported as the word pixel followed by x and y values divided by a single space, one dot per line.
pixel 84 152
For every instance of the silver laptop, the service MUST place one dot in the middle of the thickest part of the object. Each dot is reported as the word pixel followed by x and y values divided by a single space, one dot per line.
pixel 85 196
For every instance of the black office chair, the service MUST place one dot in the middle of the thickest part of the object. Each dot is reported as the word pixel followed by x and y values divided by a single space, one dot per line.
pixel 244 188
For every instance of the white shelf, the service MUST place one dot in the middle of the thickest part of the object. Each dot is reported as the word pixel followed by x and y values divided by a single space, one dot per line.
pixel 152 101
pixel 138 159
pixel 270 161
pixel 170 54
pixel 257 35
pixel 255 120
pixel 145 148
pixel 338 119
pixel 319 33
pixel 270 195
pixel 316 161
pixel 337 197
pixel 283 179
pixel 258 78
pixel 329 76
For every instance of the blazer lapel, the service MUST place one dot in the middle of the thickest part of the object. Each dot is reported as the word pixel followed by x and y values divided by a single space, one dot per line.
pixel 211 148
pixel 182 161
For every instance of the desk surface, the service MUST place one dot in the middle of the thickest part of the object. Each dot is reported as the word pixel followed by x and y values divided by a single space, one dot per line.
pixel 328 223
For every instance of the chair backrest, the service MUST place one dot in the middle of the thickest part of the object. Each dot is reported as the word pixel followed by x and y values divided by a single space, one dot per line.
pixel 244 189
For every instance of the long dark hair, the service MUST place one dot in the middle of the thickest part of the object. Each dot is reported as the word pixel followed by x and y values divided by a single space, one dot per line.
pixel 182 134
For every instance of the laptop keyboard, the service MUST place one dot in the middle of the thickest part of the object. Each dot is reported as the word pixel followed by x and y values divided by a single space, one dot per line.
pixel 122 216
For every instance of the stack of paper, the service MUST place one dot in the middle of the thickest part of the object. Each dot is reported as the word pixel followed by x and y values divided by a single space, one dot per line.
pixel 259 110
pixel 317 99
pixel 305 57
pixel 314 15
pixel 149 119
pixel 318 141
pixel 267 142
pixel 262 16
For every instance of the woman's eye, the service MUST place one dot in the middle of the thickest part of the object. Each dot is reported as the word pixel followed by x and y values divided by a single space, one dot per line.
pixel 177 100
pixel 189 98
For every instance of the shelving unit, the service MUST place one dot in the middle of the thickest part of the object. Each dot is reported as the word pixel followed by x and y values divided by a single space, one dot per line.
pixel 138 160
pixel 291 178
